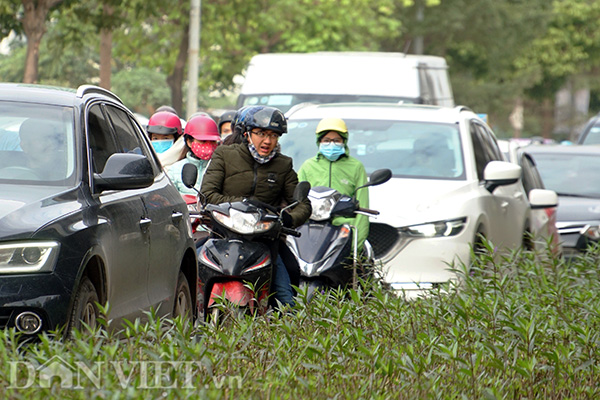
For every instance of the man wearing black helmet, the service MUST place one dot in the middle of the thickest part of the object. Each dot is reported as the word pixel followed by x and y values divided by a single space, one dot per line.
pixel 255 169
pixel 225 124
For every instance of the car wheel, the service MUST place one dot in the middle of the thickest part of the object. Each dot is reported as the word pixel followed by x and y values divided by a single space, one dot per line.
pixel 478 250
pixel 183 298
pixel 527 241
pixel 85 310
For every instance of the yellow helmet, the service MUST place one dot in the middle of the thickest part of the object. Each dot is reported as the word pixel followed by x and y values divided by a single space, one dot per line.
pixel 332 124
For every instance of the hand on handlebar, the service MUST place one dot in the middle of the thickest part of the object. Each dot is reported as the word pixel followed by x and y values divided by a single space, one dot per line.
pixel 287 220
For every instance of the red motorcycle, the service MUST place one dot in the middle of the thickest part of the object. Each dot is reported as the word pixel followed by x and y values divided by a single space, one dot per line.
pixel 235 264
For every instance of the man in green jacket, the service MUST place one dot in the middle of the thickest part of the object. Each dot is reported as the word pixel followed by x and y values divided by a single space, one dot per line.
pixel 255 169
pixel 335 168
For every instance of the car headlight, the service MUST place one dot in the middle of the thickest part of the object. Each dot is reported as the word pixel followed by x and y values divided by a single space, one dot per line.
pixel 436 229
pixel 591 232
pixel 19 258
pixel 242 222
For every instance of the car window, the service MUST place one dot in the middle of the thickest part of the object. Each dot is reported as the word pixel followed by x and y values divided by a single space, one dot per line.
pixel 411 149
pixel 101 140
pixel 37 144
pixel 570 174
pixel 128 140
pixel 531 178
pixel 481 159
pixel 285 102
pixel 485 146
pixel 492 149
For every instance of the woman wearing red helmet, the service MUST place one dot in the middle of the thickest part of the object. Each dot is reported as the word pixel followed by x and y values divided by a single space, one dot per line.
pixel 164 128
pixel 201 138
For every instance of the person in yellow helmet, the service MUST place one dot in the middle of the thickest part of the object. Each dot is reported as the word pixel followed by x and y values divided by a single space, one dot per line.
pixel 334 167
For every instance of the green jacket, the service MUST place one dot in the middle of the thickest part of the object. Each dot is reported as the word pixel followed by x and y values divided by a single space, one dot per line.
pixel 233 174
pixel 344 175
pixel 173 171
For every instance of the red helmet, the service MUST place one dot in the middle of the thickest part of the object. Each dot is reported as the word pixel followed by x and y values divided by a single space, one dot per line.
pixel 202 127
pixel 164 123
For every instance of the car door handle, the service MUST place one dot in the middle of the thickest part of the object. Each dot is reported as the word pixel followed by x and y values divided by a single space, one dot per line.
pixel 504 204
pixel 176 216
pixel 145 223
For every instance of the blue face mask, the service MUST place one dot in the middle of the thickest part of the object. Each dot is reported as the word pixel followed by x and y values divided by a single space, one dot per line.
pixel 332 151
pixel 162 145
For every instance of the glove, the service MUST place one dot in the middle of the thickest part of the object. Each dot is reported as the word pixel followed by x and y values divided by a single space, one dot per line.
pixel 287 220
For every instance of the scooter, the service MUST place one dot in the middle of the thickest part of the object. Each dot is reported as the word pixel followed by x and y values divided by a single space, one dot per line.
pixel 323 251
pixel 234 264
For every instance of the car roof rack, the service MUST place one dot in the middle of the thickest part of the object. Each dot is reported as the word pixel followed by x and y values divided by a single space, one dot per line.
pixel 87 89
pixel 462 108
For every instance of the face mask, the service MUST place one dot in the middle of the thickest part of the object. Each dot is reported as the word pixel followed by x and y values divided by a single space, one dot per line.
pixel 204 151
pixel 332 151
pixel 161 145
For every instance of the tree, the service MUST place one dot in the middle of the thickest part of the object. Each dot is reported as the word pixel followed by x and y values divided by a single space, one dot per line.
pixel 28 17
pixel 159 41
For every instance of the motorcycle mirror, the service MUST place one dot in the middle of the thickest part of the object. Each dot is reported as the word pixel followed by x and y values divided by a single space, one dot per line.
pixel 377 178
pixel 189 175
pixel 301 191
pixel 380 176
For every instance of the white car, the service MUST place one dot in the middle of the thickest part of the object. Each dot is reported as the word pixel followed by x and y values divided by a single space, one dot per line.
pixel 450 185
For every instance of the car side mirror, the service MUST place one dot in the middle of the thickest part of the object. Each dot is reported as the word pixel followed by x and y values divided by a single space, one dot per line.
pixel 542 198
pixel 125 171
pixel 500 173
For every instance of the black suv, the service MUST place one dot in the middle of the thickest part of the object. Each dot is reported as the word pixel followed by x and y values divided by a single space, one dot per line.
pixel 86 214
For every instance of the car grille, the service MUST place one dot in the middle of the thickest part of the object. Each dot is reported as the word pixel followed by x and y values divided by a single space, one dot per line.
pixel 565 227
pixel 382 238
pixel 5 316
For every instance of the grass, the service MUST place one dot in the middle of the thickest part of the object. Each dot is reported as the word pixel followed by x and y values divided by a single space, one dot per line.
pixel 517 328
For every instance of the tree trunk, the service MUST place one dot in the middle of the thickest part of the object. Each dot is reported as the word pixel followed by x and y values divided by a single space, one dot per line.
pixel 106 50
pixel 34 25
pixel 175 80
pixel 547 118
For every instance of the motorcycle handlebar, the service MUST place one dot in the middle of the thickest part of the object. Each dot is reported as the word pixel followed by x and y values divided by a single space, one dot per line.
pixel 367 211
pixel 290 231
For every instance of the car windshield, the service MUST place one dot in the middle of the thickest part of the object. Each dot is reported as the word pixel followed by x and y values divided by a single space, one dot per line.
pixel 37 144
pixel 422 150
pixel 570 174
pixel 286 101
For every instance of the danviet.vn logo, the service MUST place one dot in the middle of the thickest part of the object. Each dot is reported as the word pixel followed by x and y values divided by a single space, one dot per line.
pixel 129 374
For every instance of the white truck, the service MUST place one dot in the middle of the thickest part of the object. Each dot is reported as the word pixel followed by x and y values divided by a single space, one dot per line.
pixel 283 80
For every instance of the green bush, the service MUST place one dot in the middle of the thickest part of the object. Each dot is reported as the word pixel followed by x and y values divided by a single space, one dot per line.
pixel 515 328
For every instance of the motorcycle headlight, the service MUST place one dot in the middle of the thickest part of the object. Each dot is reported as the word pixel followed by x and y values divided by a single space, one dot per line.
pixel 19 258
pixel 435 229
pixel 242 223
pixel 321 208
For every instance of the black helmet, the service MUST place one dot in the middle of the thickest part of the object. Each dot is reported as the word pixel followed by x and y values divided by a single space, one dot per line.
pixel 227 116
pixel 264 118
